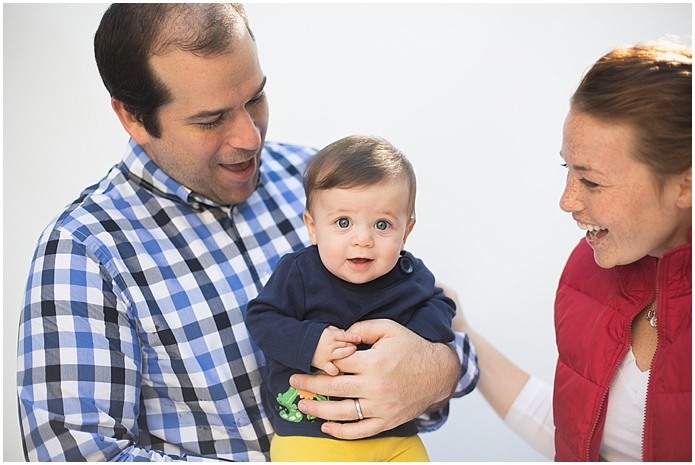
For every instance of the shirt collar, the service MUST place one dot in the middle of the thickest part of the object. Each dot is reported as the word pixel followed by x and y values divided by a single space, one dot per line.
pixel 139 167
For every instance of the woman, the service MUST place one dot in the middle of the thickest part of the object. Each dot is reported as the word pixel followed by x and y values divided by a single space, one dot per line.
pixel 623 310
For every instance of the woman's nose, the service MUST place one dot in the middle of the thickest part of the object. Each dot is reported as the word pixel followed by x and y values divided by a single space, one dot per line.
pixel 570 200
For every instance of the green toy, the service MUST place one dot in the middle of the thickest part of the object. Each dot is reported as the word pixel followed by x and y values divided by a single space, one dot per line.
pixel 290 412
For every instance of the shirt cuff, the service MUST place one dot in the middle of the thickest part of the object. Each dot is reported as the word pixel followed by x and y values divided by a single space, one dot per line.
pixel 431 421
pixel 469 364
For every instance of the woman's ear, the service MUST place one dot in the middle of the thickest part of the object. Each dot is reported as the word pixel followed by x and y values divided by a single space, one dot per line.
pixel 130 123
pixel 311 226
pixel 685 197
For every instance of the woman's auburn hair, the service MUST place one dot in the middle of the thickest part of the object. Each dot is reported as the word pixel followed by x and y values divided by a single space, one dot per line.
pixel 649 87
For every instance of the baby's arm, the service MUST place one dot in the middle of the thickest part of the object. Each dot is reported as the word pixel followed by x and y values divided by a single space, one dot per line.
pixel 334 344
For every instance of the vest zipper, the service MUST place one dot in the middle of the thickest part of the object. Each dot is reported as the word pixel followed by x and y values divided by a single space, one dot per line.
pixel 615 370
pixel 649 378
pixel 587 457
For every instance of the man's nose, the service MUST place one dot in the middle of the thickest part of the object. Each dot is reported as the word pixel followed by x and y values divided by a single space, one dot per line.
pixel 243 132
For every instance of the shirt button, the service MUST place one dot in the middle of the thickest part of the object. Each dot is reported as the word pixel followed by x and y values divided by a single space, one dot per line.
pixel 406 265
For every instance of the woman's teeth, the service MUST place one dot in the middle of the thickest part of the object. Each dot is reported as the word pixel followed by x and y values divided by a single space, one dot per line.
pixel 593 229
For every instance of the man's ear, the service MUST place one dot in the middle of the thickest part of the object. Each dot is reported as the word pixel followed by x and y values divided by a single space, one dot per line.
pixel 685 197
pixel 311 226
pixel 130 123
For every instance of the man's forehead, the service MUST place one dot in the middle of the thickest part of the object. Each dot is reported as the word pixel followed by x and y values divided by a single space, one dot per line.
pixel 200 28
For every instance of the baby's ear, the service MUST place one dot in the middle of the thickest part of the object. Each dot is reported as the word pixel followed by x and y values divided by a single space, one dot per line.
pixel 310 225
pixel 408 230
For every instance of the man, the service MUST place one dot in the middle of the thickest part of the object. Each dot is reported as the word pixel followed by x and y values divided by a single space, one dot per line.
pixel 132 343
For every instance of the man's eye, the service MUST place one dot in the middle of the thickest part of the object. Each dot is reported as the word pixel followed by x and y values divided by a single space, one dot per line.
pixel 343 223
pixel 211 124
pixel 382 225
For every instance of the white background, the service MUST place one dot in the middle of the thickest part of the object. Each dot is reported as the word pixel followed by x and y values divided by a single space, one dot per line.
pixel 474 94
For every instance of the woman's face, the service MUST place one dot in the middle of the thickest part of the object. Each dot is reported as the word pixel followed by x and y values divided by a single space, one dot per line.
pixel 615 198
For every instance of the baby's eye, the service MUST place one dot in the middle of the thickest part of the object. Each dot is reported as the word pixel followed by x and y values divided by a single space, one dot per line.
pixel 343 223
pixel 382 225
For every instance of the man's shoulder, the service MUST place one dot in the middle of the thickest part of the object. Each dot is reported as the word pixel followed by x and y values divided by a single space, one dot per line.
pixel 289 157
pixel 282 149
pixel 101 208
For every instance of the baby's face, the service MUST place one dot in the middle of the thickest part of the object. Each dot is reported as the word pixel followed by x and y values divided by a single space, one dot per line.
pixel 361 231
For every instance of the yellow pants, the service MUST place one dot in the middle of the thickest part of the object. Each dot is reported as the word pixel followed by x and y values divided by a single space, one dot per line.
pixel 309 449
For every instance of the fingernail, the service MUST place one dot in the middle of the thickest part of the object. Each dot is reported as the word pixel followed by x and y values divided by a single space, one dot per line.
pixel 302 408
pixel 325 428
pixel 294 382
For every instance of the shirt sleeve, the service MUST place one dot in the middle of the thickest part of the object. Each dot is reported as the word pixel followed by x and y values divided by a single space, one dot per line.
pixel 531 416
pixel 431 421
pixel 79 360
pixel 273 323
pixel 432 319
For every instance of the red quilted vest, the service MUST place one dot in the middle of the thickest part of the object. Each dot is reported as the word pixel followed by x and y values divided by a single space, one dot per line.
pixel 594 309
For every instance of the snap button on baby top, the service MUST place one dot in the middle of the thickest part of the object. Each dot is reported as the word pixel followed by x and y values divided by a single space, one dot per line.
pixel 406 265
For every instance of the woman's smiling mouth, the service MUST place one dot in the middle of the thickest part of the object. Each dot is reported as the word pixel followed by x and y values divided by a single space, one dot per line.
pixel 594 233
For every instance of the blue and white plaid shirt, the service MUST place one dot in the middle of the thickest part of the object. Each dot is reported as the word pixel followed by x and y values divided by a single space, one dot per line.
pixel 132 344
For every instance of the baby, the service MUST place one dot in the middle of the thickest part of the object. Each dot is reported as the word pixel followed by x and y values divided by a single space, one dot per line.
pixel 360 209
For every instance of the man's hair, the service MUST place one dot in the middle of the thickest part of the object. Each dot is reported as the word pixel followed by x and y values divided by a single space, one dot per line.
pixel 131 33
pixel 358 161
pixel 648 87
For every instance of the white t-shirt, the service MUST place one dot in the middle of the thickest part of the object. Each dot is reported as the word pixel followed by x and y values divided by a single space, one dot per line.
pixel 531 415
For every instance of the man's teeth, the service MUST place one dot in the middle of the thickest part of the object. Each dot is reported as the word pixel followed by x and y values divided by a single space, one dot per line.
pixel 590 227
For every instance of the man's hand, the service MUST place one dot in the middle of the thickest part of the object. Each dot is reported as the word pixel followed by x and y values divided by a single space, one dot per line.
pixel 395 380
pixel 334 344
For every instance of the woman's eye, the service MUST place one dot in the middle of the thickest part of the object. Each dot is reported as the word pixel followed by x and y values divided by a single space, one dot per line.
pixel 343 223
pixel 589 184
pixel 258 98
pixel 382 225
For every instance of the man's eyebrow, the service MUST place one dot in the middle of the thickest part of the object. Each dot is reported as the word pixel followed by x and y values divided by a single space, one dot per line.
pixel 210 113
pixel 207 114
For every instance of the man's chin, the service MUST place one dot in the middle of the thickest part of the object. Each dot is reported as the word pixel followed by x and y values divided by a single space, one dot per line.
pixel 238 193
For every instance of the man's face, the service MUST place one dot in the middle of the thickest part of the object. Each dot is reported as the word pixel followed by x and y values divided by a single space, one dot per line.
pixel 214 127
